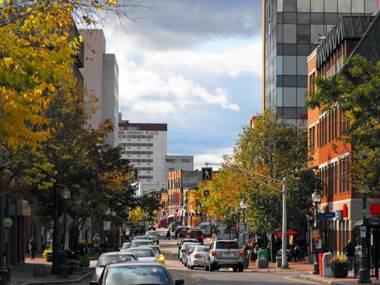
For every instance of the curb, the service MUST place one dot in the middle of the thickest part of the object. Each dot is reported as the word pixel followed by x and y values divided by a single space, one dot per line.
pixel 73 281
pixel 322 281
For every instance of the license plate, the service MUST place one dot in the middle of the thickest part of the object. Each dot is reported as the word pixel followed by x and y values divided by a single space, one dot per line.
pixel 228 254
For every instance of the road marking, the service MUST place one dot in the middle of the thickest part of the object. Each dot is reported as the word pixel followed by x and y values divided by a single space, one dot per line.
pixel 300 280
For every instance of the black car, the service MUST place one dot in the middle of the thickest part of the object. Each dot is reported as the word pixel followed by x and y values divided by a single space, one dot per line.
pixel 136 273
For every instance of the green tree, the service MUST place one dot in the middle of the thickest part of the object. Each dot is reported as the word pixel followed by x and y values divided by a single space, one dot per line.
pixel 356 91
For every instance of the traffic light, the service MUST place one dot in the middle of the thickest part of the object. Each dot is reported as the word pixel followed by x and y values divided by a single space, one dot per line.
pixel 206 173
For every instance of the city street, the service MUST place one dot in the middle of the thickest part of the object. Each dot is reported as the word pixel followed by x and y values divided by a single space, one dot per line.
pixel 223 277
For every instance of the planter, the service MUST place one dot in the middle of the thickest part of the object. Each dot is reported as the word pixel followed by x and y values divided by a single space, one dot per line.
pixel 340 270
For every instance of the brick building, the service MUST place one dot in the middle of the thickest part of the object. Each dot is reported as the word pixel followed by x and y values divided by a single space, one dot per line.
pixel 331 157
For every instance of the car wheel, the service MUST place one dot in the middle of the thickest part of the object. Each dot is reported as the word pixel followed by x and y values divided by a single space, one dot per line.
pixel 206 267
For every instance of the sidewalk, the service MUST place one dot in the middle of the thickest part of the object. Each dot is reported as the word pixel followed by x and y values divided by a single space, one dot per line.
pixel 23 274
pixel 305 271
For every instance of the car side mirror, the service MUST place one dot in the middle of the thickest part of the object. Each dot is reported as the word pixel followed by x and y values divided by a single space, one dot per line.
pixel 179 282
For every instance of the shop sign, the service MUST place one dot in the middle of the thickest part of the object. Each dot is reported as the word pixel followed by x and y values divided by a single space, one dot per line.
pixel 7 222
pixel 326 215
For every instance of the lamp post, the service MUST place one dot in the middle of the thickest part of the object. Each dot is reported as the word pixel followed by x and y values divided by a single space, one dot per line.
pixel 243 206
pixel 316 198
pixel 66 195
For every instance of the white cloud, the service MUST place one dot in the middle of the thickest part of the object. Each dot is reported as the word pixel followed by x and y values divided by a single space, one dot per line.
pixel 211 156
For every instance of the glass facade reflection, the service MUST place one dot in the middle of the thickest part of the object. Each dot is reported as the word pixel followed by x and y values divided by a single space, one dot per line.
pixel 293 29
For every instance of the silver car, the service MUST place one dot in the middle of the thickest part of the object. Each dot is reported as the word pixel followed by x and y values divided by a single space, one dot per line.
pixel 225 253
pixel 112 257
pixel 197 257
pixel 143 254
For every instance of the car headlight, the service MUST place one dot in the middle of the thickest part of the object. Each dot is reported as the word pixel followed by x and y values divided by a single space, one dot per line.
pixel 161 258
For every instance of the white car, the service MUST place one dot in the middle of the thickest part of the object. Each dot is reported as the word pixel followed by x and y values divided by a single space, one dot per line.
pixel 153 234
pixel 143 253
pixel 112 257
pixel 198 257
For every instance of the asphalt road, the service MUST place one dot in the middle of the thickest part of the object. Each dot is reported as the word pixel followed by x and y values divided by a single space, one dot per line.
pixel 222 277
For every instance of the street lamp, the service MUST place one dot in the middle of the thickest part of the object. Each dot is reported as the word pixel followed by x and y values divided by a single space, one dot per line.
pixel 243 207
pixel 66 195
pixel 316 198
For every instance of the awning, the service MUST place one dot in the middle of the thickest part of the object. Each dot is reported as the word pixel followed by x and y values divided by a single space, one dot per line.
pixel 290 233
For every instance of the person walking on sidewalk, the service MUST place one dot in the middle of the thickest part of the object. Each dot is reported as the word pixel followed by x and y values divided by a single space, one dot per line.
pixel 33 247
pixel 168 234
pixel 349 249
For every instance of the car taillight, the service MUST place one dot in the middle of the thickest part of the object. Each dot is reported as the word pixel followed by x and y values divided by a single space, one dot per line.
pixel 213 252
pixel 241 252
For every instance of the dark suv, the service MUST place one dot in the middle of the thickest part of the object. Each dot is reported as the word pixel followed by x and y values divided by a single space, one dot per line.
pixel 197 234
pixel 225 253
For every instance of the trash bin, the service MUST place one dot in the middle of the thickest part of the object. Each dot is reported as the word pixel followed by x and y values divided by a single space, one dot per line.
pixel 320 257
pixel 262 258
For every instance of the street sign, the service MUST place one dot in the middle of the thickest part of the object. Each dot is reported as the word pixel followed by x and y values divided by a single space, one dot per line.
pixel 7 222
pixel 206 173
pixel 326 216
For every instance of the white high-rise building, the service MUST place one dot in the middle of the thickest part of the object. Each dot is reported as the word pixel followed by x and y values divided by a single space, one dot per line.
pixel 145 146
pixel 101 80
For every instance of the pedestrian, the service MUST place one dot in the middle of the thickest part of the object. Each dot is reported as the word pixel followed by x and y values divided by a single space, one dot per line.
pixel 168 234
pixel 33 247
pixel 349 250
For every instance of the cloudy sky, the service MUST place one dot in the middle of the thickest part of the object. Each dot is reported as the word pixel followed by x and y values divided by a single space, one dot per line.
pixel 195 65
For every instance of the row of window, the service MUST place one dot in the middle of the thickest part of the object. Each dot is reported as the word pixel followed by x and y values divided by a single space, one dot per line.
pixel 137 144
pixel 308 18
pixel 140 160
pixel 330 127
pixel 341 6
pixel 144 168
pixel 173 160
pixel 145 177
pixel 142 152
pixel 136 136
pixel 336 177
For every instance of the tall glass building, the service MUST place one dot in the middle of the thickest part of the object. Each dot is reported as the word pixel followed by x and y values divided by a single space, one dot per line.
pixel 292 29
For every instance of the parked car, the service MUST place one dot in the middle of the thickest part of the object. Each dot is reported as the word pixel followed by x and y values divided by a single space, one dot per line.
pixel 112 257
pixel 137 273
pixel 187 249
pixel 181 231
pixel 197 234
pixel 125 245
pixel 189 240
pixel 140 242
pixel 225 253
pixel 143 254
pixel 145 237
pixel 161 258
pixel 198 257
pixel 154 234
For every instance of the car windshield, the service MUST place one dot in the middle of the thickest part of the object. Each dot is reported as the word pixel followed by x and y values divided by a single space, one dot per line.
pixel 133 275
pixel 136 243
pixel 156 250
pixel 201 249
pixel 227 245
pixel 191 248
pixel 143 252
pixel 108 259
